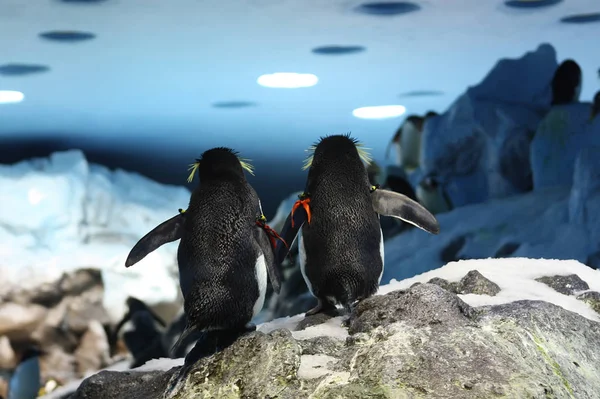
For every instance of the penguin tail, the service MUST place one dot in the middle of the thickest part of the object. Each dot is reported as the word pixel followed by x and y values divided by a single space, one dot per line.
pixel 189 330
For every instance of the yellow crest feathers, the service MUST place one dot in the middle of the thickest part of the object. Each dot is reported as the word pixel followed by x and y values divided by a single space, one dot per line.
pixel 246 165
pixel 244 162
pixel 193 168
pixel 363 153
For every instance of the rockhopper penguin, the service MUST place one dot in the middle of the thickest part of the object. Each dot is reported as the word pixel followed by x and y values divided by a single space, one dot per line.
pixel 225 251
pixel 337 219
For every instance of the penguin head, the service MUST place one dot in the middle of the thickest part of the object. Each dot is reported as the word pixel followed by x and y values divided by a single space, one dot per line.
pixel 566 83
pixel 338 150
pixel 218 163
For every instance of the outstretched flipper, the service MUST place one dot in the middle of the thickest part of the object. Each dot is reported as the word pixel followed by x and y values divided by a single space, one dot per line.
pixel 164 233
pixel 389 203
pixel 266 238
pixel 299 215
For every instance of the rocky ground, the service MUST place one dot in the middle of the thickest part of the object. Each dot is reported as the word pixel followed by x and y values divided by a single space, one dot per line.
pixel 66 319
pixel 421 342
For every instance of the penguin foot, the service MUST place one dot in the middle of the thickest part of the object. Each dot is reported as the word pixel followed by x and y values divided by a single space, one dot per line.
pixel 323 307
pixel 250 327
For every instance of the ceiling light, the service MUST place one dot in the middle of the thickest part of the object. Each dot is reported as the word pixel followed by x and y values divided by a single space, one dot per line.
pixel 10 96
pixel 287 80
pixel 379 112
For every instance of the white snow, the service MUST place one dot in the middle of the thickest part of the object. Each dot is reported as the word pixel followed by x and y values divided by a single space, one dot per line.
pixel 62 213
pixel 516 278
pixel 314 366
pixel 161 364
pixel 538 221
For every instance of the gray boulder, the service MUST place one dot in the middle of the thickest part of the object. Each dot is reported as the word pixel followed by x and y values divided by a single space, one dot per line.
pixel 421 342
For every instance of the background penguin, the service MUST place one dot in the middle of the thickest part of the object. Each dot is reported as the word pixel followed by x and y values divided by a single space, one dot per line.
pixel 341 242
pixel 25 383
pixel 144 340
pixel 596 106
pixel 224 252
pixel 566 83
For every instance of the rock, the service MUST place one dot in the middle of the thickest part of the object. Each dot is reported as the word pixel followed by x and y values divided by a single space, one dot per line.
pixel 420 342
pixel 440 282
pixel 566 285
pixel 84 308
pixel 423 305
pixel 93 352
pixel 475 283
pixel 58 365
pixel 321 345
pixel 80 281
pixel 592 298
pixel 8 359
pixel 18 322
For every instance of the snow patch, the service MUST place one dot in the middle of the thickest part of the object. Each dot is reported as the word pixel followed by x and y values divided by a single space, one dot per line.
pixel 516 279
pixel 61 213
pixel 314 366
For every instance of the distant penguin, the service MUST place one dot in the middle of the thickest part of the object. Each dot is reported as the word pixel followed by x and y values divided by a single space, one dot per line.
pixel 566 83
pixel 407 142
pixel 596 105
pixel 431 194
pixel 25 383
pixel 337 219
pixel 225 252
pixel 144 340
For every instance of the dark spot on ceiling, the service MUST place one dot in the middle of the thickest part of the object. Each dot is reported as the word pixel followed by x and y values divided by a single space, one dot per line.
pixel 581 18
pixel 67 35
pixel 82 1
pixel 388 8
pixel 16 69
pixel 233 104
pixel 422 93
pixel 338 50
pixel 531 3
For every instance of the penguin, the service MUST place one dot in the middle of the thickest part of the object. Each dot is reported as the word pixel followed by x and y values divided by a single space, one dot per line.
pixel 25 382
pixel 144 341
pixel 566 83
pixel 596 106
pixel 225 251
pixel 336 219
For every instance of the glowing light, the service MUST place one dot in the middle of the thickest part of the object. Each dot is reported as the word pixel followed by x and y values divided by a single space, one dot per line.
pixel 287 80
pixel 34 196
pixel 10 96
pixel 379 112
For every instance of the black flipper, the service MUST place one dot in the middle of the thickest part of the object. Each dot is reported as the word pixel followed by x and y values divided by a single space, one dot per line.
pixel 164 233
pixel 389 203
pixel 273 267
pixel 289 233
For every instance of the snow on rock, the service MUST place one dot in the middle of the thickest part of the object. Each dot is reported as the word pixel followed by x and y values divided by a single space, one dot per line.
pixel 516 278
pixel 478 147
pixel 532 225
pixel 61 213
pixel 404 323
pixel 559 138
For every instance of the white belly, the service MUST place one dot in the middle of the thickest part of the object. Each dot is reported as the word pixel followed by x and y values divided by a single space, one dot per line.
pixel 302 256
pixel 261 279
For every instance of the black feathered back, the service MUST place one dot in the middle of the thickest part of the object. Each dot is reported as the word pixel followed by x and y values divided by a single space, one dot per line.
pixel 342 239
